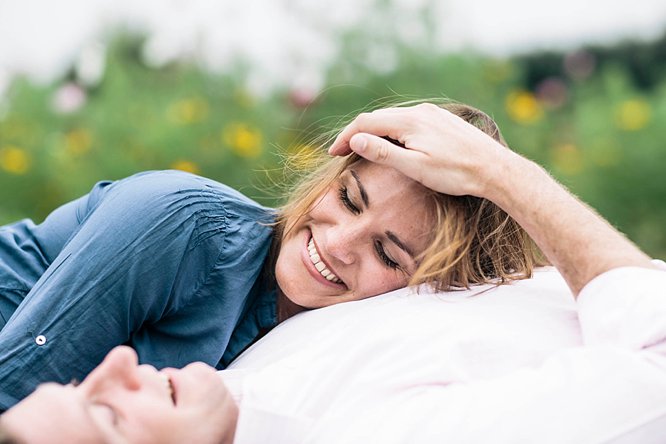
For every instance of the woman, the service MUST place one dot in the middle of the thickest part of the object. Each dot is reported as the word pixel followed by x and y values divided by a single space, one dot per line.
pixel 177 266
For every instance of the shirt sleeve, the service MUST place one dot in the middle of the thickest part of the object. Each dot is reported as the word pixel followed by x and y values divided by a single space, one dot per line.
pixel 625 307
pixel 579 395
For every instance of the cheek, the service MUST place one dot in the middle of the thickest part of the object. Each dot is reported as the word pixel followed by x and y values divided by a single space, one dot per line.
pixel 324 207
pixel 378 280
pixel 286 260
pixel 151 423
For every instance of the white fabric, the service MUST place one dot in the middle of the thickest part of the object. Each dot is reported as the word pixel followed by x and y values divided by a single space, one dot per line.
pixel 509 364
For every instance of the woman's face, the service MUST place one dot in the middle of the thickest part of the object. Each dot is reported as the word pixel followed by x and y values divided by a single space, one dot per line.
pixel 122 402
pixel 358 240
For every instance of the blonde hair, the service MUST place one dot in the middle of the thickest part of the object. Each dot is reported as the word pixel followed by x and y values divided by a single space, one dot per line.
pixel 473 240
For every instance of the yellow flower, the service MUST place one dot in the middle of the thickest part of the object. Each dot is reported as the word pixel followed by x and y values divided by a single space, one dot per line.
pixel 14 160
pixel 523 107
pixel 188 111
pixel 185 165
pixel 632 115
pixel 301 150
pixel 243 139
pixel 303 157
pixel 568 159
pixel 78 142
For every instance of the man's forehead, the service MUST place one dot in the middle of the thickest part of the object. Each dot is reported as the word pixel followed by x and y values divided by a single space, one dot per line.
pixel 55 413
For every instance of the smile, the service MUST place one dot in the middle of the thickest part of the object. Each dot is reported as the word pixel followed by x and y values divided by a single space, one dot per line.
pixel 319 265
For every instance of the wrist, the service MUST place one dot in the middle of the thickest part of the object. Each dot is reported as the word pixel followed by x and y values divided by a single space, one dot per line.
pixel 506 175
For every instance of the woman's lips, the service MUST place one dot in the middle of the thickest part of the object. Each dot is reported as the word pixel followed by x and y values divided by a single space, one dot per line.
pixel 310 266
pixel 320 265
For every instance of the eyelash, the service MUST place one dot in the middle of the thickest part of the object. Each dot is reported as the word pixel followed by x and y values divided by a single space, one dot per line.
pixel 346 201
pixel 382 254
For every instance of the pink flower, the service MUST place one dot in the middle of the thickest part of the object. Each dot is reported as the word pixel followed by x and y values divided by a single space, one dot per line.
pixel 69 98
pixel 302 97
pixel 552 92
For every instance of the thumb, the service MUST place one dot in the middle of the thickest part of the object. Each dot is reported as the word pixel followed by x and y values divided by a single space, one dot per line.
pixel 379 150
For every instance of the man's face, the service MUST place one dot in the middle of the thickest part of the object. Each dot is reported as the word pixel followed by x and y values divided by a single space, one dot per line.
pixel 358 240
pixel 123 402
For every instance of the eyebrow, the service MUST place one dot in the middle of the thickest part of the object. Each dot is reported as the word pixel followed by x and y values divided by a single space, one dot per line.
pixel 396 240
pixel 364 195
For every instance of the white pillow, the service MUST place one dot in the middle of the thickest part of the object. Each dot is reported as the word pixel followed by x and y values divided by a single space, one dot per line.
pixel 406 338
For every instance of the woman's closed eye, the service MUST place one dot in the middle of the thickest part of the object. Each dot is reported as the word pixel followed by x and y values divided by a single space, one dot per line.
pixel 379 248
pixel 346 201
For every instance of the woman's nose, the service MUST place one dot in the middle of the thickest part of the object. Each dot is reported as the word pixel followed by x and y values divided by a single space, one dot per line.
pixel 344 240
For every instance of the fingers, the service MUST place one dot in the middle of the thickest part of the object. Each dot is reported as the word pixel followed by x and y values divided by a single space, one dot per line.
pixel 381 122
pixel 381 151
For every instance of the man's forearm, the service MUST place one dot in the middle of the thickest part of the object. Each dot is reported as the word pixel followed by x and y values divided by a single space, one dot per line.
pixel 573 237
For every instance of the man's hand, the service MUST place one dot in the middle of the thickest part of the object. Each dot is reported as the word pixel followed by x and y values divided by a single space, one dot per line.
pixel 440 150
pixel 451 156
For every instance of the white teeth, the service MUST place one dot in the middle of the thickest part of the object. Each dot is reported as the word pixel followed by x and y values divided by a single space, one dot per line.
pixel 319 265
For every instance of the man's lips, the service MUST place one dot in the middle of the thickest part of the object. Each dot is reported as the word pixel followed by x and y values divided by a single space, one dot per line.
pixel 170 379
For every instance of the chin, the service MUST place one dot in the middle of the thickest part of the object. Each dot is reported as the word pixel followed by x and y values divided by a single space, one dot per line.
pixel 288 285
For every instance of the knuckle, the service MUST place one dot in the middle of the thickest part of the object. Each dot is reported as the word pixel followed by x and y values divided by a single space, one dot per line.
pixel 429 107
pixel 363 118
pixel 383 153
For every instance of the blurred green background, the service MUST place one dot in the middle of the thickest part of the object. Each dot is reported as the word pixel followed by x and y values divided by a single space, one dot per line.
pixel 595 117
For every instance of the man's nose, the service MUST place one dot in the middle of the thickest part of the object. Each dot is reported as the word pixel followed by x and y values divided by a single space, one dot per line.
pixel 119 368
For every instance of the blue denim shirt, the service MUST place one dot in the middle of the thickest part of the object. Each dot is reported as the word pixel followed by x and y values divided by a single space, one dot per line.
pixel 166 262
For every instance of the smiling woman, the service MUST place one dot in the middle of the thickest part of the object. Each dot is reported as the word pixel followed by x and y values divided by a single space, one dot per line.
pixel 410 232
pixel 355 241
pixel 182 268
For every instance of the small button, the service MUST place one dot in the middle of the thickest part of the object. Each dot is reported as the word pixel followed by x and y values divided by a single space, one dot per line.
pixel 40 340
